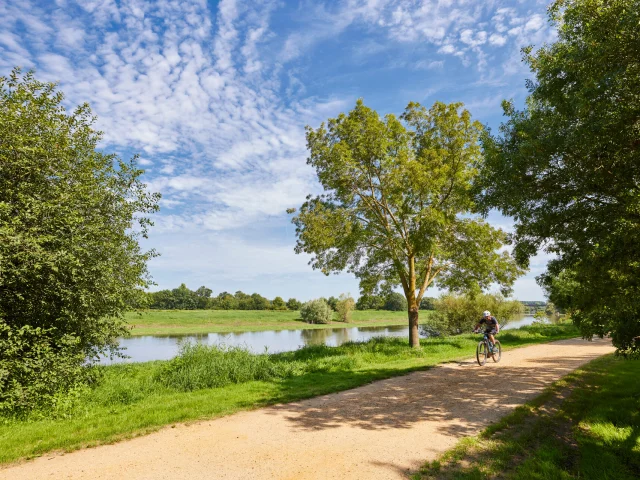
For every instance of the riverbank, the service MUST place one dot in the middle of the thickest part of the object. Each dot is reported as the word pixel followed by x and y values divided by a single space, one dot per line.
pixel 184 322
pixel 134 399
pixel 584 426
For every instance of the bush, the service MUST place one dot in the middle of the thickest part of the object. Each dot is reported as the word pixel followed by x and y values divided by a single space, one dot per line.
pixel 395 302
pixel 370 302
pixel 37 373
pixel 316 311
pixel 278 304
pixel 344 307
pixel 200 366
pixel 460 313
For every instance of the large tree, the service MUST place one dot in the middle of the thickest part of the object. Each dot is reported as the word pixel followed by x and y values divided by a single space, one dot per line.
pixel 70 220
pixel 567 166
pixel 397 209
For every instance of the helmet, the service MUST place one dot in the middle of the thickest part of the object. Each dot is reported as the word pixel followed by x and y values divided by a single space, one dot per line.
pixel 486 313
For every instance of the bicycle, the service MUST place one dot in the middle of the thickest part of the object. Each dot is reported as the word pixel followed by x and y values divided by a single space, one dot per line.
pixel 485 349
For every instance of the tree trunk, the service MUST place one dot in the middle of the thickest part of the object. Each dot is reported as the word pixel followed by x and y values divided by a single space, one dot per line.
pixel 414 338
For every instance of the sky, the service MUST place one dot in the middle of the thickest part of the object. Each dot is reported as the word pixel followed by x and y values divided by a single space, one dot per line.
pixel 215 96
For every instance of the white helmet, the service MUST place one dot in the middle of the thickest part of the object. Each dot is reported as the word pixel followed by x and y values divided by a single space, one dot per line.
pixel 486 313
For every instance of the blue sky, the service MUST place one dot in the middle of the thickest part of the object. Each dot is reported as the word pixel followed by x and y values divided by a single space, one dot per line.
pixel 214 96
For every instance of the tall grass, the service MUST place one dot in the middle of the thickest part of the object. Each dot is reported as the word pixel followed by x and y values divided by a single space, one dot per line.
pixel 200 366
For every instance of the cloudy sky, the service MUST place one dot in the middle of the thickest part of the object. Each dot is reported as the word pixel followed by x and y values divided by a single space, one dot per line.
pixel 214 96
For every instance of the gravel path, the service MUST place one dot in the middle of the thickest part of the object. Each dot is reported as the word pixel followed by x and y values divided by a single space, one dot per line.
pixel 379 431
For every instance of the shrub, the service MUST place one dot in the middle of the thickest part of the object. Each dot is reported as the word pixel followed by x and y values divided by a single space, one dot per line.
pixel 344 306
pixel 278 304
pixel 37 373
pixel 460 313
pixel 316 311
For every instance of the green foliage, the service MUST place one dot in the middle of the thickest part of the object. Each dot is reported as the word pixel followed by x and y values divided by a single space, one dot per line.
pixel 37 369
pixel 333 303
pixel 457 314
pixel 567 167
pixel 316 311
pixel 370 302
pixel 70 221
pixel 395 302
pixel 428 303
pixel 293 304
pixel 278 304
pixel 200 366
pixel 397 203
pixel 345 305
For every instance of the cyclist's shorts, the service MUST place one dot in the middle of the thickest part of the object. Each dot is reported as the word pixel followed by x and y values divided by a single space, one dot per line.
pixel 491 331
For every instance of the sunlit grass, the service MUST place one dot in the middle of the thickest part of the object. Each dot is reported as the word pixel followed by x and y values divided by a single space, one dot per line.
pixel 132 399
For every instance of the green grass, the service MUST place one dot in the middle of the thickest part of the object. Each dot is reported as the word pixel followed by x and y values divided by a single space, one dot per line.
pixel 134 399
pixel 585 426
pixel 179 322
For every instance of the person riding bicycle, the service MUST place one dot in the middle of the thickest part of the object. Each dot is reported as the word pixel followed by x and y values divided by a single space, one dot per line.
pixel 491 326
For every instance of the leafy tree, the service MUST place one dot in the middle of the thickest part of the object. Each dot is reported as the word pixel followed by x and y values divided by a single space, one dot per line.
pixel 183 298
pixel 397 203
pixel 333 302
pixel 259 302
pixel 396 302
pixel 70 220
pixel 428 303
pixel 316 311
pixel 344 306
pixel 293 304
pixel 226 301
pixel 278 304
pixel 567 167
pixel 370 302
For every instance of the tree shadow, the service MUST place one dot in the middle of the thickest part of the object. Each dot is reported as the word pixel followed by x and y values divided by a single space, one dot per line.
pixel 459 399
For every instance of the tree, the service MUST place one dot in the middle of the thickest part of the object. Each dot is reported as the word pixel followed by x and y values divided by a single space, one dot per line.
pixel 397 205
pixel 427 303
pixel 345 306
pixel 395 302
pixel 70 220
pixel 567 167
pixel 370 302
pixel 293 304
pixel 333 302
pixel 278 304
pixel 316 311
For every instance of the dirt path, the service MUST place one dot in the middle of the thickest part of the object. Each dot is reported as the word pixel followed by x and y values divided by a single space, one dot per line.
pixel 379 431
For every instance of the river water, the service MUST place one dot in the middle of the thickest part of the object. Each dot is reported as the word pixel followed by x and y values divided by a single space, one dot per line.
pixel 164 347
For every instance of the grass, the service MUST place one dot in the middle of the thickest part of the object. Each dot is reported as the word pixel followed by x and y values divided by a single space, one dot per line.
pixel 133 399
pixel 179 322
pixel 585 426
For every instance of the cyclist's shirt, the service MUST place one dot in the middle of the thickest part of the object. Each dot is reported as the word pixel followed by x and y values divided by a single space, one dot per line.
pixel 491 324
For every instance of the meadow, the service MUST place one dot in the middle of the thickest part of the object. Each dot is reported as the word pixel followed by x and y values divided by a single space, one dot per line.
pixel 178 322
pixel 206 382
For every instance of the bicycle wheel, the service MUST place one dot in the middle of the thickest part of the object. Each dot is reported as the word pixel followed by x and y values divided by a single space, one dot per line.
pixel 481 353
pixel 497 355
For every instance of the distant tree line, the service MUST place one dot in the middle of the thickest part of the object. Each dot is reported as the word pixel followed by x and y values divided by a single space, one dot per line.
pixel 183 298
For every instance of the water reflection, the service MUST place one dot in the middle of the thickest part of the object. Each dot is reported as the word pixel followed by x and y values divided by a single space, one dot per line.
pixel 151 347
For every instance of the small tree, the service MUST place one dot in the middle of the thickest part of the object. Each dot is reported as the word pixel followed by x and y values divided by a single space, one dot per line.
pixel 397 204
pixel 316 311
pixel 333 302
pixel 345 305
pixel 278 304
pixel 395 302
pixel 293 304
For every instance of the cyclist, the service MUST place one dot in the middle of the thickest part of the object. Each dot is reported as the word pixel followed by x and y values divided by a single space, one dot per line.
pixel 491 326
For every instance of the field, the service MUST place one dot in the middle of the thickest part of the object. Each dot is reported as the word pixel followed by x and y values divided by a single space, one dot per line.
pixel 585 426
pixel 130 400
pixel 177 322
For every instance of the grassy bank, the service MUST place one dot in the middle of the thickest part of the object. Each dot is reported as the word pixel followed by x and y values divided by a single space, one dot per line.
pixel 585 426
pixel 134 399
pixel 179 322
